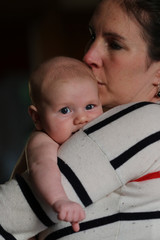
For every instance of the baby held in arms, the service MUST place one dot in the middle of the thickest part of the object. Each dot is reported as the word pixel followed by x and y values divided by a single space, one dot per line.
pixel 64 97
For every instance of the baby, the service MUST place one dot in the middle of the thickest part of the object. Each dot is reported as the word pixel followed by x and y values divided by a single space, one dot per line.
pixel 64 98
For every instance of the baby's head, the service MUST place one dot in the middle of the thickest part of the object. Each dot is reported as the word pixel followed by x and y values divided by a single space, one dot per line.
pixel 65 97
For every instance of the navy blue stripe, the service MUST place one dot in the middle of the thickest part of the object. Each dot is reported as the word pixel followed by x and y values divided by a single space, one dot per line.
pixel 124 157
pixel 104 221
pixel 115 117
pixel 5 234
pixel 34 204
pixel 75 182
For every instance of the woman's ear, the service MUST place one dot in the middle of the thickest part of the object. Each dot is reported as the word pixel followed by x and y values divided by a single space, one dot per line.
pixel 158 75
pixel 156 85
pixel 33 112
pixel 156 82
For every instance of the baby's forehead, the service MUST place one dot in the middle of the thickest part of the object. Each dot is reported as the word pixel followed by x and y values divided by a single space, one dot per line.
pixel 64 70
pixel 69 74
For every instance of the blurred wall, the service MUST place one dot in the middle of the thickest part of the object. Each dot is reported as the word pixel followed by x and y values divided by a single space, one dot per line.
pixel 31 32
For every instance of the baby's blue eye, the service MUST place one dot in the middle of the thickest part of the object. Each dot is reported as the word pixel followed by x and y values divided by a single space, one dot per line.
pixel 65 110
pixel 90 106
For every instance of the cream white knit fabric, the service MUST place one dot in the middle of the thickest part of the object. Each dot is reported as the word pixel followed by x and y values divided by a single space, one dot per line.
pixel 99 165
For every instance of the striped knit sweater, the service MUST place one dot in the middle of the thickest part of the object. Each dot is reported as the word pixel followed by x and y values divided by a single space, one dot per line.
pixel 112 168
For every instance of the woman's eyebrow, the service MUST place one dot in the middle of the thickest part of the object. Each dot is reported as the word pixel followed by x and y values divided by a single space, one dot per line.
pixel 114 35
pixel 108 33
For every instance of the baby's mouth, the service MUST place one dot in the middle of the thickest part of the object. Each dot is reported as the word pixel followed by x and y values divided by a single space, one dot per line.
pixel 75 132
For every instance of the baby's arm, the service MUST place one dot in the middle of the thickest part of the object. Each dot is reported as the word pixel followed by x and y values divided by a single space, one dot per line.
pixel 41 153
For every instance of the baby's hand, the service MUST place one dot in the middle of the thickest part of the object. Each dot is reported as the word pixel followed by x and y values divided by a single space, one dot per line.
pixel 70 212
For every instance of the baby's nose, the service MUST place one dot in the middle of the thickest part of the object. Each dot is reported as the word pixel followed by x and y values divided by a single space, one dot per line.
pixel 81 119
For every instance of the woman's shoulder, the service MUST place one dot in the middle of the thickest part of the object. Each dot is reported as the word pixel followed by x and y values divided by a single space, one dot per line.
pixel 134 110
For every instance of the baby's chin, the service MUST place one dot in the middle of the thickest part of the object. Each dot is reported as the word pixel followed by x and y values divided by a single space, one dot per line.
pixel 74 132
pixel 64 140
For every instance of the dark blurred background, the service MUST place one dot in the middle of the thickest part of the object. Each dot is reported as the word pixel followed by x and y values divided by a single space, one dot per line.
pixel 32 31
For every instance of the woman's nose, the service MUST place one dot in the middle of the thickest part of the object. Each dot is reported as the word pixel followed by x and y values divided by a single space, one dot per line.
pixel 93 56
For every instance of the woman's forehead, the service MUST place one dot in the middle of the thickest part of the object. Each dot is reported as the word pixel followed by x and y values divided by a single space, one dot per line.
pixel 104 11
pixel 110 17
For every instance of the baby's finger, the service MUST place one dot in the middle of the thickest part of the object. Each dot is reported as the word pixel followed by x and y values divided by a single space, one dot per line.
pixel 75 226
pixel 62 215
pixel 82 215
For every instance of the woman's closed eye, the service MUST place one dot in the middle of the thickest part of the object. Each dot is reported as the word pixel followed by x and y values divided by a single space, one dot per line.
pixel 114 45
pixel 65 110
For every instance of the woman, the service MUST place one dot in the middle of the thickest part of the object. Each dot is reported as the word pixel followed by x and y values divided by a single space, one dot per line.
pixel 118 154
pixel 124 51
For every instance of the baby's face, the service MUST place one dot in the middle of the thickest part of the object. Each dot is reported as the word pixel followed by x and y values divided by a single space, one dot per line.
pixel 71 103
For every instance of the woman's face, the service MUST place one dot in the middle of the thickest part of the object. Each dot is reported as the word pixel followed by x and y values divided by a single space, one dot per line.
pixel 118 57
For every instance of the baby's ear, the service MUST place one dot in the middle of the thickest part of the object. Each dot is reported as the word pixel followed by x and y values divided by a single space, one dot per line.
pixel 33 112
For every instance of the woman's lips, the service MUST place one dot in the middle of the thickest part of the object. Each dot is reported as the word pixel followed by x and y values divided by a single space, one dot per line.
pixel 101 84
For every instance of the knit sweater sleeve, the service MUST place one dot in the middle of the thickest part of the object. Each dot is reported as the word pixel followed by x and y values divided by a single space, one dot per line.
pixel 119 146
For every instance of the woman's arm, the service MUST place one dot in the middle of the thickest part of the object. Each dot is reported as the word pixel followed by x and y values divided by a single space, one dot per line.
pixel 18 220
pixel 119 146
